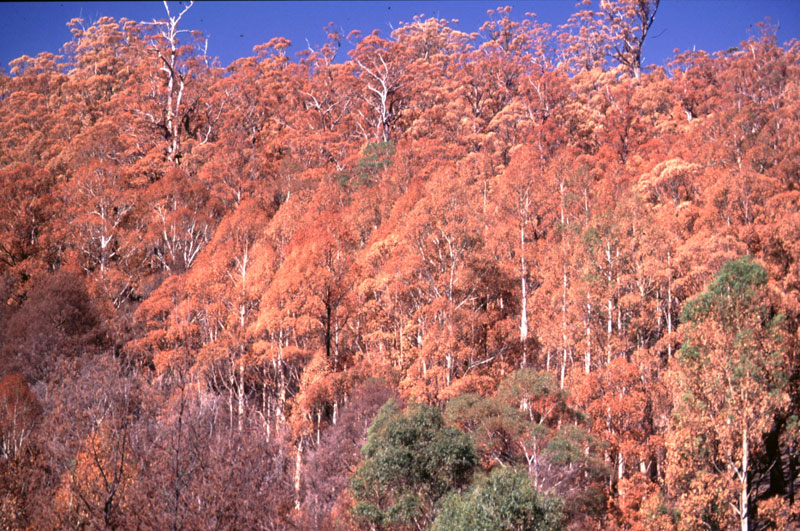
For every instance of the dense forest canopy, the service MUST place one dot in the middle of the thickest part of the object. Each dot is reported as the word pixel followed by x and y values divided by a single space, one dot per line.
pixel 513 279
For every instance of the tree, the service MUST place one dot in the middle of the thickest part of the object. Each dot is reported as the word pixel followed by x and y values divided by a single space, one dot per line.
pixel 445 271
pixel 617 30
pixel 173 65
pixel 194 472
pixel 97 487
pixel 384 79
pixel 57 320
pixel 410 461
pixel 178 220
pixel 503 500
pixel 630 22
pixel 729 382
pixel 518 200
pixel 19 411
pixel 528 423
pixel 328 467
pixel 91 459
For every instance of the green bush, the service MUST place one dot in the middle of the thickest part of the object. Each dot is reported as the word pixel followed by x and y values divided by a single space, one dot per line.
pixel 410 461
pixel 505 500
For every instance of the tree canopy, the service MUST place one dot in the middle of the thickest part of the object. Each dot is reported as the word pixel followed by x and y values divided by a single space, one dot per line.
pixel 575 275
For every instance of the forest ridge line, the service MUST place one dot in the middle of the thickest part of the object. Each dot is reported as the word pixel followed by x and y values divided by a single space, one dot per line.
pixel 521 284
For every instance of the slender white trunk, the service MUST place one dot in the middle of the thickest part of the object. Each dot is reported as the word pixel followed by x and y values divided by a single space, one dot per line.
pixel 587 358
pixel 744 502
pixel 319 421
pixel 563 328
pixel 669 305
pixel 399 328
pixel 240 396
pixel 230 408
pixel 297 467
pixel 609 323
pixel 523 318
pixel 175 80
pixel 281 382
pixel 268 417
pixel 610 320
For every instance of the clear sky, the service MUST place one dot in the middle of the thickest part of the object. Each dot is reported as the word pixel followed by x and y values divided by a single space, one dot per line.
pixel 235 27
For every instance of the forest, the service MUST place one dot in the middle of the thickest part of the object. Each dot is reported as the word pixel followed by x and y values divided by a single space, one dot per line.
pixel 511 279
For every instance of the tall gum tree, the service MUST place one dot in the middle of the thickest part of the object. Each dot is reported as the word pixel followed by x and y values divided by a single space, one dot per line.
pixel 616 30
pixel 179 65
pixel 523 202
pixel 729 381
pixel 384 79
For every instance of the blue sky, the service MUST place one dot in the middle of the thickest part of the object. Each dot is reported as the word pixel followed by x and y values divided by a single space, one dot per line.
pixel 235 27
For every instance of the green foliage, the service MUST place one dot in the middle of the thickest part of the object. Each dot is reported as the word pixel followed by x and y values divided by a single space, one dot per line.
pixel 529 409
pixel 527 386
pixel 467 410
pixel 736 304
pixel 528 423
pixel 503 500
pixel 410 460
pixel 568 448
pixel 733 293
pixel 375 157
pixel 730 381
pixel 492 423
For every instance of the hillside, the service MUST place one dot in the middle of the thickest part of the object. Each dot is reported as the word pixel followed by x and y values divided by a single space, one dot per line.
pixel 513 279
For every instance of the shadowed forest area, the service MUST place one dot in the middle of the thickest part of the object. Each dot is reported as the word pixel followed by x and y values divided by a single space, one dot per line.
pixel 504 280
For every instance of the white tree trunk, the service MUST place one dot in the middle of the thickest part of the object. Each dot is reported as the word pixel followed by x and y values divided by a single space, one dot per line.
pixel 743 501
pixel 523 318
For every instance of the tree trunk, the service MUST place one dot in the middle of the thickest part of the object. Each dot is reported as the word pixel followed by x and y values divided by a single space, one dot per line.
pixel 328 315
pixel 669 305
pixel 523 318
pixel 563 328
pixel 609 321
pixel 743 502
pixel 587 359
pixel 240 396
pixel 297 468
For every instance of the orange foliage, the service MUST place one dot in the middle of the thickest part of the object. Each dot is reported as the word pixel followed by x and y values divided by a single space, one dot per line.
pixel 437 210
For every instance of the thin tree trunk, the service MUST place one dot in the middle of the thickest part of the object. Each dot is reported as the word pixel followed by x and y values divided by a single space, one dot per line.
pixel 669 305
pixel 587 359
pixel 240 396
pixel 523 318
pixel 297 467
pixel 563 328
pixel 609 323
pixel 743 502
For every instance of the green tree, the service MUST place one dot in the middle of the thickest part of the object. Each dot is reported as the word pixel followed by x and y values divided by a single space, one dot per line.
pixel 410 461
pixel 528 423
pixel 729 383
pixel 505 500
